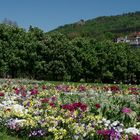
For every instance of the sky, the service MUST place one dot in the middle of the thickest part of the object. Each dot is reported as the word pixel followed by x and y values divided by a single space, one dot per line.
pixel 50 14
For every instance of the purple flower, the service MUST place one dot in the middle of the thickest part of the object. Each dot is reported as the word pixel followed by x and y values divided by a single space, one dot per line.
pixel 58 87
pixel 28 104
pixel 112 134
pixel 92 125
pixel 38 133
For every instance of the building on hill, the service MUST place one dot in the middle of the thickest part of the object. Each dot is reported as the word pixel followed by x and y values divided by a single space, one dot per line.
pixel 133 39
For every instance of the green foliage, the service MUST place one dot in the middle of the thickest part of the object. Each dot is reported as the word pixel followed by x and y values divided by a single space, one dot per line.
pixel 35 54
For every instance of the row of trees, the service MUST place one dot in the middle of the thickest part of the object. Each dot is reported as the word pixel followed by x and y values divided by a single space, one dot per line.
pixel 39 55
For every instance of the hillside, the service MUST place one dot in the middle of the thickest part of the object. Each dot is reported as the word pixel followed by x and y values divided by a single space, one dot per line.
pixel 108 27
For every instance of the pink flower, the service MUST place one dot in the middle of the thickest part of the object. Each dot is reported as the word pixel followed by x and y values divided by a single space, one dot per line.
pixel 126 110
pixel 81 88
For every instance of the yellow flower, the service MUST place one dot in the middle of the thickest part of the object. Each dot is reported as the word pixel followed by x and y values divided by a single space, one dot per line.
pixel 31 123
pixel 37 118
pixel 69 120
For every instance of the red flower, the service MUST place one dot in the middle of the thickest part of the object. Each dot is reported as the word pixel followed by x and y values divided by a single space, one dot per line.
pixel 44 87
pixel 45 100
pixel 17 91
pixel 104 132
pixel 83 107
pixel 52 104
pixel 34 92
pixel 136 137
pixel 114 88
pixel 1 94
pixel 23 94
pixel 97 106
pixel 74 106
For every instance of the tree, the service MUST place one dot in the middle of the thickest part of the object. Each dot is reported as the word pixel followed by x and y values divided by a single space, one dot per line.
pixel 86 56
pixel 54 54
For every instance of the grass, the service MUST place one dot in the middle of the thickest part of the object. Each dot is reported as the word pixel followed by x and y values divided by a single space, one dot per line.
pixel 4 136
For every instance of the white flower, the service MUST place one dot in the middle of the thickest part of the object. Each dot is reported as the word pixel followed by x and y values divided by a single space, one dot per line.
pixel 104 119
pixel 19 108
pixel 132 130
pixel 110 92
pixel 107 122
pixel 119 129
pixel 115 123
pixel 1 105
pixel 13 122
pixel 117 126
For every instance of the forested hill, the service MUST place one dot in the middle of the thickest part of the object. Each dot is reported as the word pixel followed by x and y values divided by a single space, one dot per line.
pixel 108 27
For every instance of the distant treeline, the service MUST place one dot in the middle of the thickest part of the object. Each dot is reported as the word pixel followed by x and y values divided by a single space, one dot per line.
pixel 39 55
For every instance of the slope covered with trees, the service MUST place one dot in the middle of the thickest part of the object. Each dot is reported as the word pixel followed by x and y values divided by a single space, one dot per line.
pixel 108 27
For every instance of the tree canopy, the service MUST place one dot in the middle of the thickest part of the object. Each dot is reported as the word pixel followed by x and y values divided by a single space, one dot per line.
pixel 54 56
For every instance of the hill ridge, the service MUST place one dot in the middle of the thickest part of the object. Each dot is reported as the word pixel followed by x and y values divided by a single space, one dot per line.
pixel 108 27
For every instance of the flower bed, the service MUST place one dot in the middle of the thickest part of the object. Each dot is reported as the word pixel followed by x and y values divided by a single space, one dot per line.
pixel 69 112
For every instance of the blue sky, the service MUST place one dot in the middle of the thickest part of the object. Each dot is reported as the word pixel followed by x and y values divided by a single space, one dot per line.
pixel 49 14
